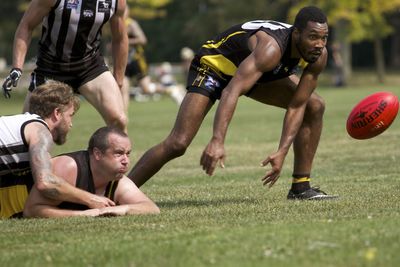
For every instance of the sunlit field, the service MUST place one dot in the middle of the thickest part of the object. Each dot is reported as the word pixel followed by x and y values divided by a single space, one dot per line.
pixel 230 219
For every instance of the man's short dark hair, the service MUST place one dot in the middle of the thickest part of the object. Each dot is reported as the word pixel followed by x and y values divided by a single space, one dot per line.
pixel 51 95
pixel 309 13
pixel 99 138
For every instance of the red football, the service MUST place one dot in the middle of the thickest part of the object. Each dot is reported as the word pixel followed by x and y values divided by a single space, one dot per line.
pixel 372 115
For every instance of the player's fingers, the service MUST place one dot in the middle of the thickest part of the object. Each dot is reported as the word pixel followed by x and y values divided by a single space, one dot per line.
pixel 265 162
pixel 222 162
pixel 268 175
pixel 273 181
pixel 110 203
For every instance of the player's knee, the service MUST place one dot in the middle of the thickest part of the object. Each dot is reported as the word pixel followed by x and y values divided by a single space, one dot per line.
pixel 315 107
pixel 176 147
pixel 120 121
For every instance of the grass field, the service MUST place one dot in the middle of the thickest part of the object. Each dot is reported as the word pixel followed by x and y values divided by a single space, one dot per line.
pixel 230 219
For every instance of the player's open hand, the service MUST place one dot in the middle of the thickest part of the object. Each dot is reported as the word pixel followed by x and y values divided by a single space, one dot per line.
pixel 98 202
pixel 276 161
pixel 212 154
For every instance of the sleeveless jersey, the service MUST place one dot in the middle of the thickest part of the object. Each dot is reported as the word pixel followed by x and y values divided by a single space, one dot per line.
pixel 226 51
pixel 71 32
pixel 84 180
pixel 15 172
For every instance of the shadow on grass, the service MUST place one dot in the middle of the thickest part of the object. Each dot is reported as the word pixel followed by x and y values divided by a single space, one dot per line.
pixel 198 203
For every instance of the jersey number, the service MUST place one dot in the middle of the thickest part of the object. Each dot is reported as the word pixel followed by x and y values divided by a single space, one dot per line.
pixel 269 24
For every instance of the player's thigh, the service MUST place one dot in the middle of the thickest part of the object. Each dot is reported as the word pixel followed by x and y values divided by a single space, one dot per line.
pixel 191 114
pixel 277 93
pixel 104 93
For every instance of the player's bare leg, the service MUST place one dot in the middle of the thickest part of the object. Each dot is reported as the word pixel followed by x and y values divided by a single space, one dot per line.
pixel 105 95
pixel 190 116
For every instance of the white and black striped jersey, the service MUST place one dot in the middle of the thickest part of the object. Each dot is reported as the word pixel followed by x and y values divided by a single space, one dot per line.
pixel 71 32
pixel 14 151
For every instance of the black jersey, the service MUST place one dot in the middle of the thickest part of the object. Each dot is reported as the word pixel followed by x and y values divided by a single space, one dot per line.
pixel 84 180
pixel 71 32
pixel 226 51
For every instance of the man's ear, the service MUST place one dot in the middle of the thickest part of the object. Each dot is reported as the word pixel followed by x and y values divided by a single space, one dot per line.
pixel 56 115
pixel 97 153
pixel 296 33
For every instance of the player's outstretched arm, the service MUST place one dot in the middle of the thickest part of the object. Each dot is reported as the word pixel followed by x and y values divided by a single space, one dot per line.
pixel 130 200
pixel 293 118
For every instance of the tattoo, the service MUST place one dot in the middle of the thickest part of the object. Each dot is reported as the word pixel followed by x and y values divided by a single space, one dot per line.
pixel 40 160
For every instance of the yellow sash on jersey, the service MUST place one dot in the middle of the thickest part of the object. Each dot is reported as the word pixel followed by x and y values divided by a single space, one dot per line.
pixel 12 200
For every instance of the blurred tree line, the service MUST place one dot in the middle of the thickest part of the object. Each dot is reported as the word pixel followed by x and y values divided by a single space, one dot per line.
pixel 367 31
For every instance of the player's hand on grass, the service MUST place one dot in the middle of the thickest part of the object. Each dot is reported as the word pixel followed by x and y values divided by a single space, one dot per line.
pixel 91 212
pixel 213 154
pixel 276 161
pixel 11 81
pixel 98 202
pixel 113 211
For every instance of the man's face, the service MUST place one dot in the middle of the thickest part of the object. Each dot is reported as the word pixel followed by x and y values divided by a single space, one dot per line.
pixel 115 160
pixel 61 130
pixel 312 40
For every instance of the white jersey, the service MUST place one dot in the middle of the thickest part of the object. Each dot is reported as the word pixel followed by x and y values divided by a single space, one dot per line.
pixel 14 151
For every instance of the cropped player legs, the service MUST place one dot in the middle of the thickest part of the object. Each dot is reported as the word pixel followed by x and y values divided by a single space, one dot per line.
pixel 190 116
pixel 104 94
pixel 278 93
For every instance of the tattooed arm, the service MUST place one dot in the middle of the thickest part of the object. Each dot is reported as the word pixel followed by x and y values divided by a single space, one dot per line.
pixel 49 185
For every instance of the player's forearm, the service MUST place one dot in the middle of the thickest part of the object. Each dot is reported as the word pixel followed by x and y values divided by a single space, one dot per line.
pixel 223 115
pixel 120 57
pixel 22 41
pixel 46 211
pixel 56 188
pixel 291 125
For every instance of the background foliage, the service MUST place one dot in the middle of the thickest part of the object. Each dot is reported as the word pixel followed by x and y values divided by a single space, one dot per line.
pixel 172 24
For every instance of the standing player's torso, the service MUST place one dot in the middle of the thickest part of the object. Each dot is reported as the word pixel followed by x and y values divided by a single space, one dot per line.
pixel 72 29
pixel 226 51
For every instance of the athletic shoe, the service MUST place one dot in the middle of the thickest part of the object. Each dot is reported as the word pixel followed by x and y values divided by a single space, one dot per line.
pixel 313 193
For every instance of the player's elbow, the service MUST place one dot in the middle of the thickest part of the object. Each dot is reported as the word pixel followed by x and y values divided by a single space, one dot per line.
pixel 47 188
pixel 153 208
pixel 29 210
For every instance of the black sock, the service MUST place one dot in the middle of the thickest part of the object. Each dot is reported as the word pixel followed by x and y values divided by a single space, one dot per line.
pixel 300 183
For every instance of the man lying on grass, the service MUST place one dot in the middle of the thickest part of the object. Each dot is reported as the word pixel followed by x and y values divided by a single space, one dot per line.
pixel 99 169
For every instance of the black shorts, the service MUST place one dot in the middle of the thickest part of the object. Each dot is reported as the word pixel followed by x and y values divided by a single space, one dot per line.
pixel 137 65
pixel 203 80
pixel 74 75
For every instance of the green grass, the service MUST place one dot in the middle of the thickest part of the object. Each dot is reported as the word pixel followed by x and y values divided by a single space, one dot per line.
pixel 230 219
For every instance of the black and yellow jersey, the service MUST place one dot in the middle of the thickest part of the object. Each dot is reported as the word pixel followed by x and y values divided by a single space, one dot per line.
pixel 84 180
pixel 16 178
pixel 226 51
